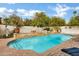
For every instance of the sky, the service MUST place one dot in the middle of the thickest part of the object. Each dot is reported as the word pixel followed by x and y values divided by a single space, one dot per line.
pixel 27 10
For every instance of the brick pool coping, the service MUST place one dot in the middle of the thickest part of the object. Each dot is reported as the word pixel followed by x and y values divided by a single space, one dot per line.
pixel 6 51
pixel 55 51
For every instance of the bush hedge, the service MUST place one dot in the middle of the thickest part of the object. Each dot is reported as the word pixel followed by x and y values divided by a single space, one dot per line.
pixel 4 35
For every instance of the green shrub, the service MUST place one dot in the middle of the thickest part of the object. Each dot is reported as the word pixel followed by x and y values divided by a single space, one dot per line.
pixel 4 35
pixel 47 28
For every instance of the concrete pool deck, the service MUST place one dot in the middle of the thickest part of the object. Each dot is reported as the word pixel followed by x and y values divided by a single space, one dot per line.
pixel 55 51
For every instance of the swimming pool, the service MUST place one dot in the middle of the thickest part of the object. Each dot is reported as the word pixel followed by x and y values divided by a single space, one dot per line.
pixel 39 44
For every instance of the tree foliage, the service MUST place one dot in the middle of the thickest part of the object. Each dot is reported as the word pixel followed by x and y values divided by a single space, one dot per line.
pixel 40 20
pixel 13 20
pixel 57 21
pixel 27 22
pixel 74 21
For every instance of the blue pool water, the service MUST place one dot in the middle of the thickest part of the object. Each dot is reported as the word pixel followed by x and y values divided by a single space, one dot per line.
pixel 39 44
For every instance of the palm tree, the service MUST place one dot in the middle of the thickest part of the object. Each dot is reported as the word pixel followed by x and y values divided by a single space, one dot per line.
pixel 74 21
pixel 75 13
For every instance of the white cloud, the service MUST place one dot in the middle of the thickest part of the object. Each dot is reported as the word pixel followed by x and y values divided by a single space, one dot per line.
pixel 24 12
pixel 76 8
pixel 2 10
pixel 61 10
pixel 10 10
pixel 32 12
pixel 5 11
pixel 62 14
pixel 20 12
